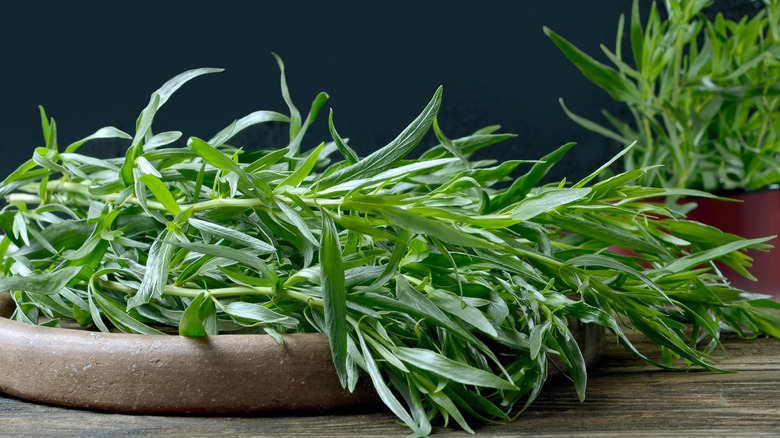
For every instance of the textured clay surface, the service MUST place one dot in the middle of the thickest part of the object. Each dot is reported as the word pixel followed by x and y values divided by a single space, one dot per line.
pixel 172 374
pixel 225 374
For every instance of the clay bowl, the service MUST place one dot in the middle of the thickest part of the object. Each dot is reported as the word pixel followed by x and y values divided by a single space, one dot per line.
pixel 225 374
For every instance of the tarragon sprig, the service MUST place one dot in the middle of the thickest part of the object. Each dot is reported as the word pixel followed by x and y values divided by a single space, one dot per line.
pixel 445 280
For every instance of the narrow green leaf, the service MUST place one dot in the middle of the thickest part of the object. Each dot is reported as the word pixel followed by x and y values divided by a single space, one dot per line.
pixel 223 162
pixel 592 126
pixel 161 139
pixel 637 43
pixel 389 155
pixel 47 283
pixel 424 226
pixel 594 260
pixel 470 144
pixel 43 157
pixel 120 319
pixel 383 390
pixel 604 166
pixel 51 135
pixel 257 313
pixel 490 176
pixel 232 235
pixel 456 371
pixel 173 84
pixel 605 234
pixel 696 259
pixel 598 73
pixel 135 150
pixel 412 396
pixel 297 177
pixel 536 339
pixel 22 172
pixel 523 185
pixel 334 296
pixel 348 153
pixel 448 144
pixel 144 124
pixel 239 125
pixel 199 318
pixel 85 249
pixel 456 306
pixel 316 106
pixel 107 132
pixel 161 192
pixel 476 405
pixel 414 303
pixel 267 160
pixel 602 188
pixel 44 121
pixel 244 257
pixel 446 403
pixel 547 201
pixel 295 115
pixel 157 271
pixel 391 268
pixel 572 354
pixel 407 170
pixel 297 221
pixel 387 355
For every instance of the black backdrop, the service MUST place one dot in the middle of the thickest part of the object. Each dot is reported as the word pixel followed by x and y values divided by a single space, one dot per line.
pixel 92 66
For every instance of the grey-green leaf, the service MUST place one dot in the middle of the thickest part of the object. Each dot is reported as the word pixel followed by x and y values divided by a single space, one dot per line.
pixel 47 283
pixel 157 270
pixel 232 235
pixel 239 125
pixel 258 313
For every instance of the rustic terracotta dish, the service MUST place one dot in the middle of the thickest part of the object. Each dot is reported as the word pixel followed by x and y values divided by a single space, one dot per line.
pixel 225 374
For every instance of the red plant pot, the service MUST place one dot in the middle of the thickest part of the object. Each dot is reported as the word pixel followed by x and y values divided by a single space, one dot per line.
pixel 756 215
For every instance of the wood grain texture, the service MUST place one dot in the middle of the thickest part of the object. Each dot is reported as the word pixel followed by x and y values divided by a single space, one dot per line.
pixel 625 397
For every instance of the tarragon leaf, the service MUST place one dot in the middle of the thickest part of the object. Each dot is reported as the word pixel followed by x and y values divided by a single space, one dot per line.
pixel 451 369
pixel 199 318
pixel 387 156
pixel 47 283
pixel 334 296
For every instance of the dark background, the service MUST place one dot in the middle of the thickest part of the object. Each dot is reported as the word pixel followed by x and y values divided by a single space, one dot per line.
pixel 94 65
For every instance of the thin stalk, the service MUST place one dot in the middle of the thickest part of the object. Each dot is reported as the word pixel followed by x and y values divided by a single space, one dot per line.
pixel 80 189
pixel 223 292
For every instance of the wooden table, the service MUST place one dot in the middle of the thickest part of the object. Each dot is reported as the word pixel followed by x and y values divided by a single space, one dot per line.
pixel 626 398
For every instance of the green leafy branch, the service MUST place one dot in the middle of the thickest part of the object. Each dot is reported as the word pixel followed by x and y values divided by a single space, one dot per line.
pixel 454 296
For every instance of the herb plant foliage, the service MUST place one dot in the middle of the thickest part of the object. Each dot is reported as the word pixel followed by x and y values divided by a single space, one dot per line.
pixel 445 280
pixel 703 95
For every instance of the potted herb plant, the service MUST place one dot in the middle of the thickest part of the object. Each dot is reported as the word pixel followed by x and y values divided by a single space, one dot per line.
pixel 451 296
pixel 703 94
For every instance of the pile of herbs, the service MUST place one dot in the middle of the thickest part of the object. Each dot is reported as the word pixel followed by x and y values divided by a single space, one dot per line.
pixel 446 281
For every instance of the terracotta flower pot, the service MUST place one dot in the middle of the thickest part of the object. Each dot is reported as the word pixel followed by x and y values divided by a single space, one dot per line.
pixel 756 215
pixel 224 374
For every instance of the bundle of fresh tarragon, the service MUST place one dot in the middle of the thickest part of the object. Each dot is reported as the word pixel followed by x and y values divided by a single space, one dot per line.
pixel 446 281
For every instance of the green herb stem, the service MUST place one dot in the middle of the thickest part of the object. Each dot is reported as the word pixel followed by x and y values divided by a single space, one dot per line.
pixel 223 292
